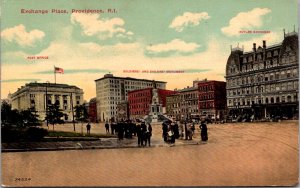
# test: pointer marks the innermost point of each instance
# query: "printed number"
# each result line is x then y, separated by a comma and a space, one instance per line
22, 179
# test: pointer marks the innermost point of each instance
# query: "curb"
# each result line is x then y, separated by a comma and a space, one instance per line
95, 147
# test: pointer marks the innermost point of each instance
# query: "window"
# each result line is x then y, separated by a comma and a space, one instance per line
282, 74
250, 58
288, 74
277, 75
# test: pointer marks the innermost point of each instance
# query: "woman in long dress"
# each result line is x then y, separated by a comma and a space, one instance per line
203, 129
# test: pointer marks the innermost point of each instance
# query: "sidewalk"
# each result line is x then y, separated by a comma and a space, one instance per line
103, 143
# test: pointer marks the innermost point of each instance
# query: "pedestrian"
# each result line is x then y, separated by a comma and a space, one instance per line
181, 130
148, 135
189, 132
112, 127
193, 128
107, 127
138, 133
203, 128
88, 128
143, 133
176, 130
121, 130
165, 130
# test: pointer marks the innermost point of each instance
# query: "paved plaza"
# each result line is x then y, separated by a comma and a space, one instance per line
240, 154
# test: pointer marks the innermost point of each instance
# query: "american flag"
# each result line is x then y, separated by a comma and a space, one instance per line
58, 70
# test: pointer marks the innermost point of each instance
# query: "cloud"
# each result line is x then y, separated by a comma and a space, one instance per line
176, 46
20, 80
93, 25
23, 38
75, 71
187, 19
245, 20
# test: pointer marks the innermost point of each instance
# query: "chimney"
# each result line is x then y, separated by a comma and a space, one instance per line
264, 44
254, 47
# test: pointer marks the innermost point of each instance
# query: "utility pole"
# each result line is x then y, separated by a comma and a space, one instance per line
46, 99
72, 112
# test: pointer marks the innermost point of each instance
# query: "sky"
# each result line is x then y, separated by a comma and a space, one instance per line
172, 40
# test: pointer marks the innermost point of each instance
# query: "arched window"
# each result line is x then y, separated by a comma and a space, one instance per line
272, 100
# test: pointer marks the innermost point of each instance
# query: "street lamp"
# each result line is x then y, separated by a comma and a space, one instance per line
46, 99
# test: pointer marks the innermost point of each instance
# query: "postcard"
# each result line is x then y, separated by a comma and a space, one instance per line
149, 93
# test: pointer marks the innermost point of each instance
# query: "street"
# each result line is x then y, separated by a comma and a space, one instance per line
241, 154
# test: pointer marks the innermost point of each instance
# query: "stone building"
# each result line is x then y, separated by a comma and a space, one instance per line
33, 95
264, 81
212, 99
189, 102
112, 90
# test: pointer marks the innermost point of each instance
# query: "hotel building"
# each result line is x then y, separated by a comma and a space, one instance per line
264, 82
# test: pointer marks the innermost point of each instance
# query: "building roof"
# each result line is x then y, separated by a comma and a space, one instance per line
44, 85
188, 89
127, 78
35, 84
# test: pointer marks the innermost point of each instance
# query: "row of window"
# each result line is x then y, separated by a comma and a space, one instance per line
141, 94
258, 78
135, 106
265, 88
183, 111
206, 88
259, 56
263, 64
264, 100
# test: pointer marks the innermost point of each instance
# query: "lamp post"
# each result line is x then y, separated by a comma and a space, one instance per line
72, 107
46, 99
186, 119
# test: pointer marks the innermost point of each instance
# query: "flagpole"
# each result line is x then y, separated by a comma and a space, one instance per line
54, 75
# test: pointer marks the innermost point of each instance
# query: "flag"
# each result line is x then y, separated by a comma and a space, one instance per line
58, 70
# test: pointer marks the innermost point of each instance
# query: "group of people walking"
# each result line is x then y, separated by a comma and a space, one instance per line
172, 131
129, 128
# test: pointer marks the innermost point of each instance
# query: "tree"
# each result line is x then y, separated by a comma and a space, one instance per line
81, 114
29, 117
10, 117
54, 114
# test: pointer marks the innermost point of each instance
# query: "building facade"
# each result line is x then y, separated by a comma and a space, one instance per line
111, 90
141, 101
173, 106
189, 102
264, 81
122, 111
40, 95
212, 99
